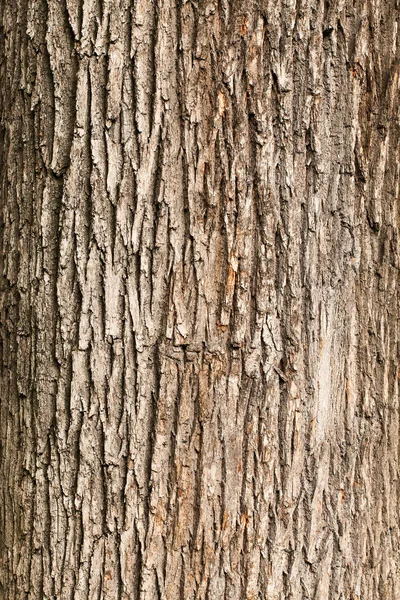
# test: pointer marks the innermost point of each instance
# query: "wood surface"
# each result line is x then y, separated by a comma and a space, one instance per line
199, 361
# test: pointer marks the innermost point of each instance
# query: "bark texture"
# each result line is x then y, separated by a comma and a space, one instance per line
199, 300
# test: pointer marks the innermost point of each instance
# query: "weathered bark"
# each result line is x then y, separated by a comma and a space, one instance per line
199, 309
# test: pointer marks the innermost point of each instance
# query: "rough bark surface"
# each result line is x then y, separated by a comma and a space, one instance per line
199, 300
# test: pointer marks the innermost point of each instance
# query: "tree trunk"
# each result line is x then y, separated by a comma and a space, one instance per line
199, 312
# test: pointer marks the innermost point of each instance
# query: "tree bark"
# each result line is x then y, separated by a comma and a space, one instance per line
199, 300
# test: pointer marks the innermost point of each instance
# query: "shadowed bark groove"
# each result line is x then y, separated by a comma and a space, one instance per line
199, 300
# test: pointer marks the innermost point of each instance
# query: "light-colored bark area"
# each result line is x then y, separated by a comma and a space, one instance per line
199, 300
